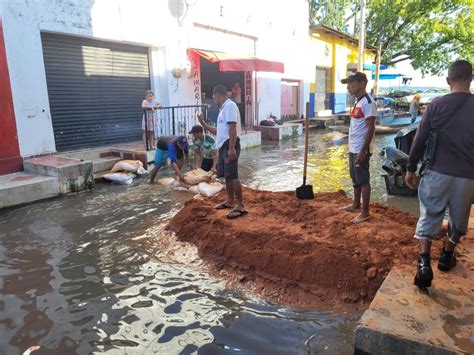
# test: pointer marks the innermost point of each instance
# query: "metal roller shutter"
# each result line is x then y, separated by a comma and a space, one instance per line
95, 90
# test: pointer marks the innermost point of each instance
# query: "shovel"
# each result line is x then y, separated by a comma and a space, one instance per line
305, 192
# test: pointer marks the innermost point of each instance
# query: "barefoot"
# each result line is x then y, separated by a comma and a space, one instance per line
361, 218
350, 208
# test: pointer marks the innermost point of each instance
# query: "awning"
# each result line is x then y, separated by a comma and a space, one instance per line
387, 76
228, 62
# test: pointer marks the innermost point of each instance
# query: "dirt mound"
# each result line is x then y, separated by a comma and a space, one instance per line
301, 252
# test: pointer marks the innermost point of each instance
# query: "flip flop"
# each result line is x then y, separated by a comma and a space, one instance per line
349, 209
222, 206
236, 214
360, 219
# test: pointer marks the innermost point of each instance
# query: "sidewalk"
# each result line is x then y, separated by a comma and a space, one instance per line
403, 319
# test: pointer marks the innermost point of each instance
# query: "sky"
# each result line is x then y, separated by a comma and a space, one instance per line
418, 80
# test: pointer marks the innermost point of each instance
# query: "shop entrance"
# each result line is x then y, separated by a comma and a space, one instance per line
212, 76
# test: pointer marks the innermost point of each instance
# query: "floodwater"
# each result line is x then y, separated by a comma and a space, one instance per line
87, 273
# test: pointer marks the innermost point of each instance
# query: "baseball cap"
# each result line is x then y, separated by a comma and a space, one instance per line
357, 76
183, 141
196, 129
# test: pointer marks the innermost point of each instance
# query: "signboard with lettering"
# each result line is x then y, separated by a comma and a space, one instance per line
248, 98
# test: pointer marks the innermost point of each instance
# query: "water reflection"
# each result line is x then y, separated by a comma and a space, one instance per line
94, 272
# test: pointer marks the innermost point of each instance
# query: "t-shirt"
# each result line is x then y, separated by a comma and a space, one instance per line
363, 109
454, 154
148, 104
169, 143
228, 114
414, 105
207, 146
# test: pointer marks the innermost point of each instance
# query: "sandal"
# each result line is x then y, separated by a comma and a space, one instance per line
236, 214
222, 206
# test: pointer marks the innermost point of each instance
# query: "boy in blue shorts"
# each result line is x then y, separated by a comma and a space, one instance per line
176, 148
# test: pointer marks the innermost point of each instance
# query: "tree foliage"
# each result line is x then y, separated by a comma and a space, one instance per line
428, 33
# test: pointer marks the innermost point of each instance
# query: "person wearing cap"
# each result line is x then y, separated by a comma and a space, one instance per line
228, 143
205, 149
174, 148
414, 107
361, 134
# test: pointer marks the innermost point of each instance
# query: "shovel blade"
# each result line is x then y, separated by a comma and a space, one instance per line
305, 192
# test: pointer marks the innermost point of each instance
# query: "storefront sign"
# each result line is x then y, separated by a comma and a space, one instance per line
196, 77
248, 98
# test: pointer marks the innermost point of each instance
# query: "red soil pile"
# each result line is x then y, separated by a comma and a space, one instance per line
301, 252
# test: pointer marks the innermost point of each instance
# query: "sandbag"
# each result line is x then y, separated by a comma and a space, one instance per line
133, 166
196, 176
194, 189
168, 181
120, 178
211, 189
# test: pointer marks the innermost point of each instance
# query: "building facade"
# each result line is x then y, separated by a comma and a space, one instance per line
77, 69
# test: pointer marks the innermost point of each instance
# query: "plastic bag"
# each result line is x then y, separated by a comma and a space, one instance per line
194, 189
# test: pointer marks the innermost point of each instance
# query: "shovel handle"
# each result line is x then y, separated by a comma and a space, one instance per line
306, 135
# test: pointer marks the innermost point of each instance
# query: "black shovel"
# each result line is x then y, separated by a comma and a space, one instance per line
305, 192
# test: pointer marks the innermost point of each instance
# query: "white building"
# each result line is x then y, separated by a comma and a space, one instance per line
78, 69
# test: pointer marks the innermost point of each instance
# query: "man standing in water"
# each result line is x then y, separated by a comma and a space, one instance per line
449, 180
361, 134
228, 143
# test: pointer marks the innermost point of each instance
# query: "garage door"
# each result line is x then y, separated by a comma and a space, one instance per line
95, 90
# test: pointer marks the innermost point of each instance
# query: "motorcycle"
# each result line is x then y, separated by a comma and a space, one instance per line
396, 161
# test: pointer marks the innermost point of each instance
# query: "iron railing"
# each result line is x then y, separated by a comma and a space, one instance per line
172, 120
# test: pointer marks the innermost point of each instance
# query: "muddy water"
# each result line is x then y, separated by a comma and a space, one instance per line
87, 273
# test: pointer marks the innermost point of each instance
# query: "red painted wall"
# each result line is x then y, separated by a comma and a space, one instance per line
10, 159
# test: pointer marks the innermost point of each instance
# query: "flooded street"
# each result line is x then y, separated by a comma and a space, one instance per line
85, 273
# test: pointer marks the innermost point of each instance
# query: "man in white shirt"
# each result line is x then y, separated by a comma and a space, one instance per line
228, 142
361, 136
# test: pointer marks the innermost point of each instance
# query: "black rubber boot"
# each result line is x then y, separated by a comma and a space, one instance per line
447, 260
424, 275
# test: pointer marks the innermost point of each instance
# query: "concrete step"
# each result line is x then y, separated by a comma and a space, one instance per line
73, 175
403, 319
19, 188
86, 154
103, 164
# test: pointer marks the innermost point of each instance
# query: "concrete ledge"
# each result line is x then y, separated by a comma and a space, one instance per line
403, 319
73, 175
250, 139
278, 133
20, 188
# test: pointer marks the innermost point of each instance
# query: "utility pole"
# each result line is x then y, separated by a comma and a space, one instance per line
377, 69
360, 62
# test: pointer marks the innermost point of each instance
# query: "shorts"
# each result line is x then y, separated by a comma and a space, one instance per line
160, 157
360, 175
436, 192
226, 168
206, 164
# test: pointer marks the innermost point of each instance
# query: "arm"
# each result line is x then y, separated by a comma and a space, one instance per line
206, 126
214, 160
174, 159
419, 143
146, 104
232, 140
198, 157
370, 122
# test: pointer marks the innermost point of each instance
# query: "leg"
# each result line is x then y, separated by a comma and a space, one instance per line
357, 188
144, 139
433, 194
363, 177
229, 202
237, 187
160, 157
152, 140
153, 173
459, 210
